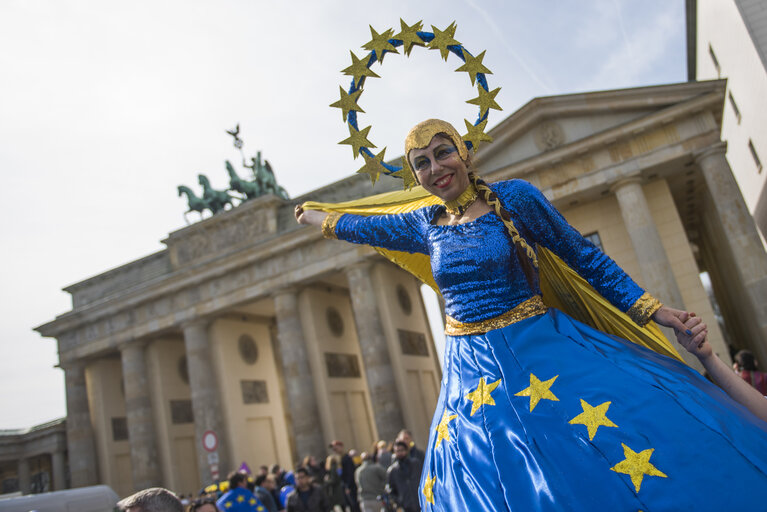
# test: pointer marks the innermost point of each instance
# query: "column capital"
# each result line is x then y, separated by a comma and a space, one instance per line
624, 182
138, 344
197, 322
718, 148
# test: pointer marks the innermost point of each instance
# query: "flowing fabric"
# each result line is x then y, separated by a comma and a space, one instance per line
549, 413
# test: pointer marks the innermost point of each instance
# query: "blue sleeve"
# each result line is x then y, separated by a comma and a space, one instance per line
398, 232
542, 224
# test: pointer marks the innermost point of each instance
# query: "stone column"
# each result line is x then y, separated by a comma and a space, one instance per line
138, 410
299, 386
59, 472
206, 398
25, 480
80, 439
382, 387
743, 248
656, 270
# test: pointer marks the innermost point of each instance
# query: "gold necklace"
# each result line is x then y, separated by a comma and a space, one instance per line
459, 205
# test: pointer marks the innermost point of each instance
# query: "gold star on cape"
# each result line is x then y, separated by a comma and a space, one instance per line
359, 69
476, 134
593, 417
481, 395
228, 504
485, 100
348, 102
373, 166
443, 39
442, 431
406, 176
409, 37
637, 465
428, 488
240, 498
379, 43
358, 139
538, 391
473, 65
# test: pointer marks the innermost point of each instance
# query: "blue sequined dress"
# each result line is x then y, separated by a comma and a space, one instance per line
547, 413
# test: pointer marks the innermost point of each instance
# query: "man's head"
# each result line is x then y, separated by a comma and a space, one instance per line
269, 483
337, 447
275, 469
401, 450
155, 499
237, 479
303, 480
406, 437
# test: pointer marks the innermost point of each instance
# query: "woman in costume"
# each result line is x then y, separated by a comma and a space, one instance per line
538, 411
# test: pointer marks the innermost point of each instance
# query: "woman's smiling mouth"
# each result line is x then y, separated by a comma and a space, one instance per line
444, 181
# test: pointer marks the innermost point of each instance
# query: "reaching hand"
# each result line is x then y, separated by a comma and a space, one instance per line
670, 317
309, 217
696, 342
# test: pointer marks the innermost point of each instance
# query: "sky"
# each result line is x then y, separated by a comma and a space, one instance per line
106, 107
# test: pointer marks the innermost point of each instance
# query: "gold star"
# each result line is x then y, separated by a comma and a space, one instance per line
476, 134
373, 166
409, 37
442, 431
240, 498
252, 501
485, 100
359, 69
348, 102
637, 465
473, 65
443, 39
259, 508
379, 43
593, 417
228, 504
481, 395
538, 390
406, 176
358, 139
428, 488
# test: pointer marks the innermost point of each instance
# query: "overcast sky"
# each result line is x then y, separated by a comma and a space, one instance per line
105, 107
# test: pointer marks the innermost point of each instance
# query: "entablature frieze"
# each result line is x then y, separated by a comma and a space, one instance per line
209, 291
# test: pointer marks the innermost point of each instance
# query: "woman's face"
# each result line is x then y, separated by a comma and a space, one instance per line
439, 168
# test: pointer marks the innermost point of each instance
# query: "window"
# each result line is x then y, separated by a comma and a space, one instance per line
715, 60
594, 239
755, 156
734, 105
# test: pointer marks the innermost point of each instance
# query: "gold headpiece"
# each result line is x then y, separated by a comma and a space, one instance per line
421, 134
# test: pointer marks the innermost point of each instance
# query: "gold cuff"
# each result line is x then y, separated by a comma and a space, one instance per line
531, 307
643, 309
329, 225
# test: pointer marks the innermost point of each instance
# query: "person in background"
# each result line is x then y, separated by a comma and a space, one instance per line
384, 454
371, 483
279, 475
415, 452
315, 469
263, 494
204, 504
746, 366
307, 496
739, 390
154, 499
347, 474
333, 486
403, 477
238, 498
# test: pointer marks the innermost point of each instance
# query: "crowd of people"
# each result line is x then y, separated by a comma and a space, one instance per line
382, 479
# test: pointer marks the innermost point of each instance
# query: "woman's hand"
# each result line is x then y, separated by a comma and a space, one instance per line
309, 217
670, 317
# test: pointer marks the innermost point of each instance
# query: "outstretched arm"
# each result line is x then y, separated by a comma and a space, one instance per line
696, 343
309, 217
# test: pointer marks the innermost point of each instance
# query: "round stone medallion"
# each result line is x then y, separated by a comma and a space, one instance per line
248, 349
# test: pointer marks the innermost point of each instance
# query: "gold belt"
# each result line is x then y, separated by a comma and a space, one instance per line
531, 307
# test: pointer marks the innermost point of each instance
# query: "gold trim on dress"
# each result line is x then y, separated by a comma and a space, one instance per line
643, 309
329, 225
531, 307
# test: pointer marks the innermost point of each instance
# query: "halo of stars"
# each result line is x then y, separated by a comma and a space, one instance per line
409, 37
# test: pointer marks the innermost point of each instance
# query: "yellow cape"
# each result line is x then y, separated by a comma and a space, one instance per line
561, 286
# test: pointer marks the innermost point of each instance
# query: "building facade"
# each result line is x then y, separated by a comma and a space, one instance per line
277, 341
33, 460
728, 39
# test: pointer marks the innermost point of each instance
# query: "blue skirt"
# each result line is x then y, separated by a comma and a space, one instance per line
550, 414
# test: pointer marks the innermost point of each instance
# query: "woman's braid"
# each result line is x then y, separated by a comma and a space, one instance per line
526, 255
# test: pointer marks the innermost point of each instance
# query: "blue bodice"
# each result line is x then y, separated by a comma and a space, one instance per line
474, 264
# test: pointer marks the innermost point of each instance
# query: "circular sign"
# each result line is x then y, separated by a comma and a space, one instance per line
210, 441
